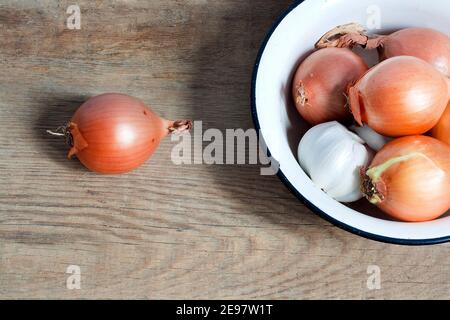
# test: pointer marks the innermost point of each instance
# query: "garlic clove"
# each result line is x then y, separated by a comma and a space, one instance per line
373, 139
351, 169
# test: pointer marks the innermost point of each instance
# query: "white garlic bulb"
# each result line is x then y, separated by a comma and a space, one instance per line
332, 156
373, 139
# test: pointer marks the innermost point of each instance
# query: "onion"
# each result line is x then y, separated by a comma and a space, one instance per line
400, 96
320, 82
115, 133
442, 130
424, 43
409, 179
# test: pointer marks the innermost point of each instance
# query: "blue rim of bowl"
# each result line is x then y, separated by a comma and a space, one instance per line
287, 183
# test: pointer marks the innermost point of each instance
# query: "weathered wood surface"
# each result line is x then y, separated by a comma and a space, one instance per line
163, 231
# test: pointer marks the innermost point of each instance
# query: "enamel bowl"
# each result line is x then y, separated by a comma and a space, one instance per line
289, 41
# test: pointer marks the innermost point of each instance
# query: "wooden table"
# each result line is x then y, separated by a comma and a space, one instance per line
163, 231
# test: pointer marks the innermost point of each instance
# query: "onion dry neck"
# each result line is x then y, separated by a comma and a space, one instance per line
62, 131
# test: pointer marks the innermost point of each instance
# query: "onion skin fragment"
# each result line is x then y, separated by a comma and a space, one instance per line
344, 36
78, 142
409, 179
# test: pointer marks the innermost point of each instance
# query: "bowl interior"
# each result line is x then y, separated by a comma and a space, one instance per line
281, 126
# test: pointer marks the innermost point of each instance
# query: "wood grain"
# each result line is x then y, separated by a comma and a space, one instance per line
163, 231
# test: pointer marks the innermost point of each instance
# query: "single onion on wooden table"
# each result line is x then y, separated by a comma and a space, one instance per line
115, 133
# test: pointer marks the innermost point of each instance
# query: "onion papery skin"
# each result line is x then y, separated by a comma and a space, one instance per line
442, 130
115, 133
409, 179
400, 96
320, 84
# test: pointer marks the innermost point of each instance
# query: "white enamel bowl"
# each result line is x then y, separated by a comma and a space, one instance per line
288, 42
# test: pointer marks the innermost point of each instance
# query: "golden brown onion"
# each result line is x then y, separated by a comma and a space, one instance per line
320, 83
409, 179
400, 96
115, 133
442, 130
